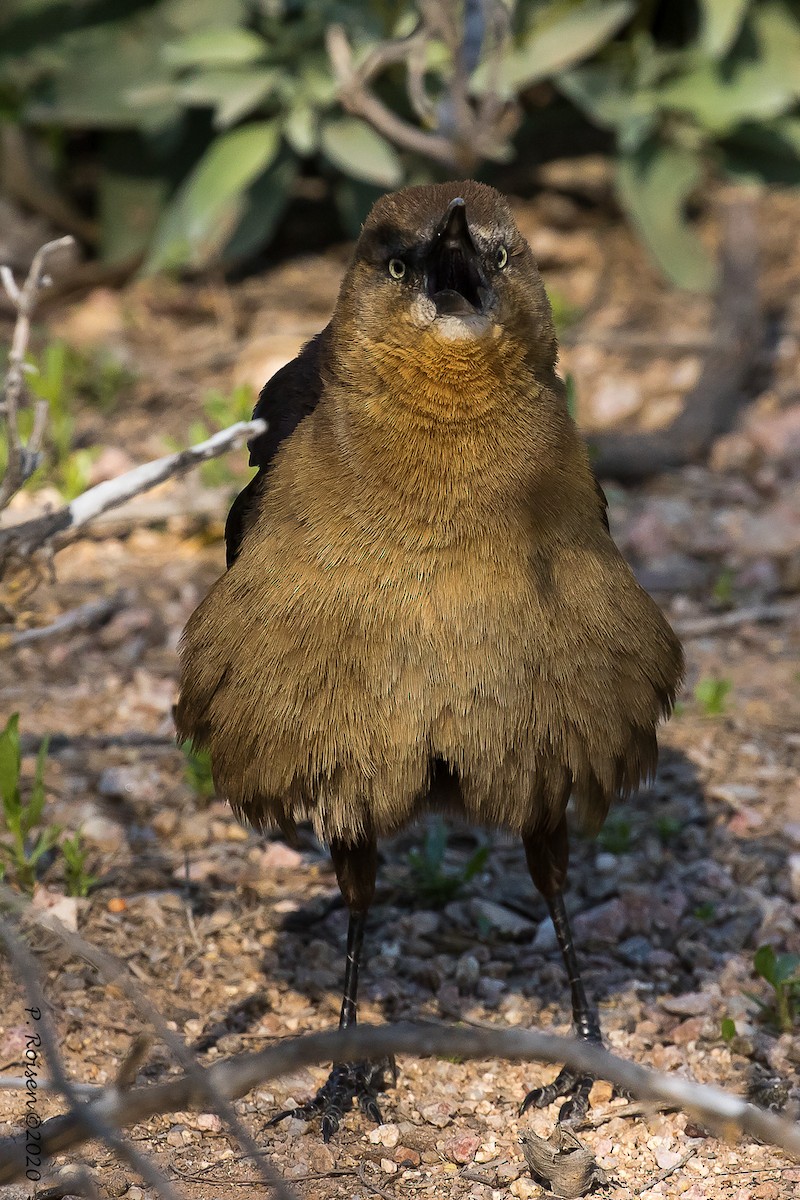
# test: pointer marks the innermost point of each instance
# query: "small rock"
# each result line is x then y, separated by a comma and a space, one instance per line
691, 1004
438, 1114
636, 951
501, 918
175, 1136
462, 1149
385, 1135
690, 1030
794, 875
134, 1193
600, 1094
208, 1122
320, 1157
545, 939
605, 923
490, 990
51, 907
467, 972
667, 1159
275, 856
423, 924
525, 1189
388, 1166
404, 1156
102, 832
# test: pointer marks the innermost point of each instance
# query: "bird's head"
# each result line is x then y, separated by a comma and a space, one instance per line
442, 271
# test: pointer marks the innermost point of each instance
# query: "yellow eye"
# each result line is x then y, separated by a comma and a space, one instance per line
397, 268
501, 258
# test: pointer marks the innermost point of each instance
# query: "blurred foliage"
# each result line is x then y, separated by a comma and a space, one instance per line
712, 694
429, 877
58, 375
221, 409
197, 771
180, 126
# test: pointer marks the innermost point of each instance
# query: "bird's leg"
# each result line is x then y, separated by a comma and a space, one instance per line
355, 867
548, 856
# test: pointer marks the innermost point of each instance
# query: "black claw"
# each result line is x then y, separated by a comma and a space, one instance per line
345, 1084
567, 1083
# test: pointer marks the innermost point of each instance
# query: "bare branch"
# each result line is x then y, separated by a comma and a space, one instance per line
462, 129
692, 627
238, 1075
86, 616
25, 537
22, 460
358, 100
91, 1115
202, 1082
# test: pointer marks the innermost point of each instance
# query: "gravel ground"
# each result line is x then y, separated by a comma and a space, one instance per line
239, 939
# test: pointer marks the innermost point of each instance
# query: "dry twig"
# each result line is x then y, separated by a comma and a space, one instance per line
462, 130
86, 616
22, 539
203, 1084
692, 627
711, 407
23, 459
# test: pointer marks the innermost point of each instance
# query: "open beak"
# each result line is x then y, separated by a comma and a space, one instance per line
454, 278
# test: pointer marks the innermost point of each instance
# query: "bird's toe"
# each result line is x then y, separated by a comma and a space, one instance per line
347, 1084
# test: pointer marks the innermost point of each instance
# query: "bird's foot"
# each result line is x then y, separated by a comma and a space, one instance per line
574, 1086
346, 1084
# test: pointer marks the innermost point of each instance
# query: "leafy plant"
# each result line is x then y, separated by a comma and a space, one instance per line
221, 410
723, 588
616, 835
77, 878
705, 912
197, 771
782, 973
668, 828
432, 882
26, 840
712, 695
200, 117
62, 375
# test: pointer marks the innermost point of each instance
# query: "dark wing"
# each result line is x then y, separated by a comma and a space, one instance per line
291, 394
602, 502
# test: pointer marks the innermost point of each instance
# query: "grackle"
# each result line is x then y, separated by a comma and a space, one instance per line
423, 607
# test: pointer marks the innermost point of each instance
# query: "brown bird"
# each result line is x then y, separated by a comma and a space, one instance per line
423, 606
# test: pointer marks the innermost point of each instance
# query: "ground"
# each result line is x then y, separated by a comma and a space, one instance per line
238, 938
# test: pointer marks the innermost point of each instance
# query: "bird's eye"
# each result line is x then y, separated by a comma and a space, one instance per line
501, 257
397, 268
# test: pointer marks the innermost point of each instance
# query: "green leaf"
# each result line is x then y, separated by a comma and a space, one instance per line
204, 213
559, 37
727, 1029
35, 806
355, 148
264, 205
215, 48
10, 761
654, 185
721, 21
765, 152
786, 968
233, 94
301, 129
764, 964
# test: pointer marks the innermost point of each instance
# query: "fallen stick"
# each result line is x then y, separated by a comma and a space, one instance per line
25, 537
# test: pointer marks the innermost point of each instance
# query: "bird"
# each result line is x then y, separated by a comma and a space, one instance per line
423, 607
